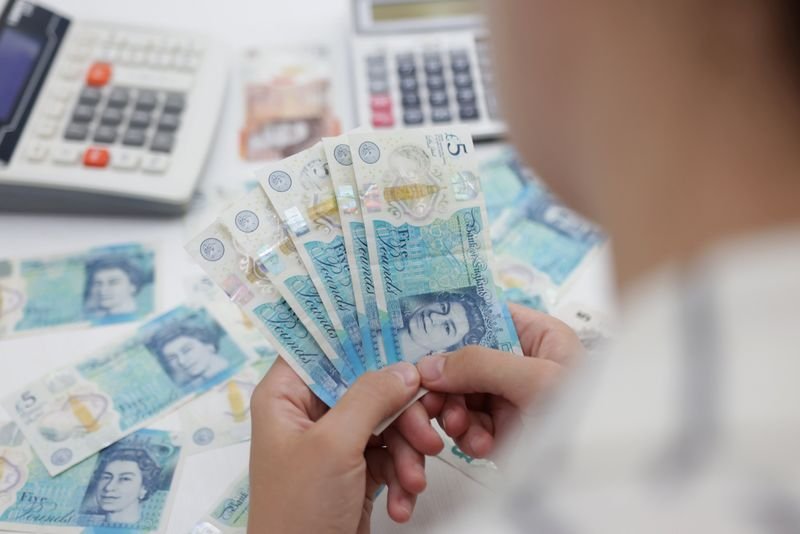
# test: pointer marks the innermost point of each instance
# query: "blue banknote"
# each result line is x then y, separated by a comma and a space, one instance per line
503, 179
214, 250
229, 515
71, 413
126, 487
430, 248
102, 285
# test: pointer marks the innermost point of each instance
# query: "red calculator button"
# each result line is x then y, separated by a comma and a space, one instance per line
96, 157
382, 119
381, 103
99, 74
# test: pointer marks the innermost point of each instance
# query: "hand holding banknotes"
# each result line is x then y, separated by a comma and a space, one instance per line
318, 471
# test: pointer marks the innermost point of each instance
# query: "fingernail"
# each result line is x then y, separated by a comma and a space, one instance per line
406, 372
430, 367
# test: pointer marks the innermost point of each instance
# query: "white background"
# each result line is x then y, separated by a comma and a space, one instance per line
236, 24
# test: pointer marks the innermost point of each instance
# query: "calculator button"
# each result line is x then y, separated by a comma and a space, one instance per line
83, 113
111, 117
436, 82
175, 102
134, 137
433, 67
90, 96
155, 163
168, 122
147, 100
118, 98
462, 80
382, 119
99, 74
162, 142
60, 93
441, 115
413, 116
438, 98
468, 113
95, 157
37, 152
70, 71
376, 60
381, 103
140, 119
459, 61
66, 155
377, 72
410, 100
408, 85
105, 134
378, 87
54, 109
465, 96
125, 160
406, 68
46, 129
76, 131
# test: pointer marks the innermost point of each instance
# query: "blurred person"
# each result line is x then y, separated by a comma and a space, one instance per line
676, 126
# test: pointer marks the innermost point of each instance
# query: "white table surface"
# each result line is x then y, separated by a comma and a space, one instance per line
237, 24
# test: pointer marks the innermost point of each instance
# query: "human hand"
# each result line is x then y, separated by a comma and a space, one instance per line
318, 470
478, 394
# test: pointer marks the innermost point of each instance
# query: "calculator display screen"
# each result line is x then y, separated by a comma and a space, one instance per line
18, 54
395, 11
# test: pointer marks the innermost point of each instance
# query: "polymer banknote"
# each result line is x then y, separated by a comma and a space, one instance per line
125, 488
229, 514
429, 243
594, 328
480, 470
301, 192
503, 179
72, 413
102, 285
258, 234
214, 250
221, 417
340, 166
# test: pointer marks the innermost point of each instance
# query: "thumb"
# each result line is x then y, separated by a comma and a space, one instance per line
371, 399
474, 369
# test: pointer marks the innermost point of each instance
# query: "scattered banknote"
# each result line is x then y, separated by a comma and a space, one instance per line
288, 101
72, 413
258, 234
98, 286
480, 470
595, 329
214, 250
126, 487
503, 179
429, 243
229, 515
301, 191
221, 417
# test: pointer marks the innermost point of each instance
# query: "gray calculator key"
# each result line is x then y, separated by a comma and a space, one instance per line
162, 142
105, 134
438, 98
433, 64
459, 61
140, 119
413, 116
406, 68
468, 113
90, 96
134, 137
462, 80
378, 87
111, 117
435, 82
441, 114
168, 122
410, 100
146, 100
377, 73
465, 96
376, 61
83, 113
76, 131
408, 85
118, 98
175, 102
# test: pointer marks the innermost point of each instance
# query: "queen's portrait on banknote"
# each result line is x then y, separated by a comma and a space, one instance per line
188, 353
112, 286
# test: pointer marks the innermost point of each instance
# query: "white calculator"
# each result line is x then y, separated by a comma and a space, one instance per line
424, 62
96, 117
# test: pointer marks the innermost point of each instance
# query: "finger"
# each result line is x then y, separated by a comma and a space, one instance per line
478, 440
475, 369
543, 336
371, 399
380, 469
433, 402
415, 426
409, 464
454, 418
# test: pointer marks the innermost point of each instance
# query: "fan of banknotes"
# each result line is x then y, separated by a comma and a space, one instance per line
361, 251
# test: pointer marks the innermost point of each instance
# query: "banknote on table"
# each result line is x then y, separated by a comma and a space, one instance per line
229, 515
214, 250
72, 413
258, 233
430, 249
594, 328
102, 285
503, 179
301, 192
126, 487
480, 470
221, 417
340, 166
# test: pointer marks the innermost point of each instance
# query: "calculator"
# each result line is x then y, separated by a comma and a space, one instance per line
98, 117
422, 63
